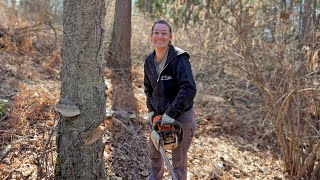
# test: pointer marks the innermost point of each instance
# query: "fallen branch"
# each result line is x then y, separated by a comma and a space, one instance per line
123, 114
5, 152
11, 146
233, 165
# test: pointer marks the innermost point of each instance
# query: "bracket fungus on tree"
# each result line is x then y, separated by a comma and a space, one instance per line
67, 107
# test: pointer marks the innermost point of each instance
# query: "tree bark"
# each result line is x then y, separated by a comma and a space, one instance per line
148, 6
283, 6
82, 82
306, 21
119, 50
314, 14
119, 58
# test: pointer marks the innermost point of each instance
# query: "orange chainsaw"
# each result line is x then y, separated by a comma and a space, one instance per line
170, 134
166, 137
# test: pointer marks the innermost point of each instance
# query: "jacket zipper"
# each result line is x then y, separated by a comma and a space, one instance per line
161, 72
158, 86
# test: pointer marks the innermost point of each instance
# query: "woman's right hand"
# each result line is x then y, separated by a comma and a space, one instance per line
150, 116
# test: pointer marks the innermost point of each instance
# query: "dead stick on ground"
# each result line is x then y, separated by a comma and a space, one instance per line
235, 166
5, 152
9, 147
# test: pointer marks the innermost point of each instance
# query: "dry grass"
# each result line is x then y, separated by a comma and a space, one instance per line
27, 140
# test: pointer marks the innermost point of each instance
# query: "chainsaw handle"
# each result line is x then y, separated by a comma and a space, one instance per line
156, 124
150, 125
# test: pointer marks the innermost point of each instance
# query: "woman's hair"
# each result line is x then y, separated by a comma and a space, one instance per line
162, 22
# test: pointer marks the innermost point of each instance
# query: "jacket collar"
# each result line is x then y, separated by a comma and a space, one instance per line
173, 52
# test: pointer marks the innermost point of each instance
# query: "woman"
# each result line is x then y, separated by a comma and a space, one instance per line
170, 89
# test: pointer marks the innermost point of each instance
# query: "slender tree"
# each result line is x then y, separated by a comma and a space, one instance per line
119, 58
82, 102
314, 14
306, 21
148, 6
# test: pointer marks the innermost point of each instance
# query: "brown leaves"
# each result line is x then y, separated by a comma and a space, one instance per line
126, 154
227, 157
27, 134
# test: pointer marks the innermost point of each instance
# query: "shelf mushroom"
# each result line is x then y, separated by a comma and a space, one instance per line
67, 107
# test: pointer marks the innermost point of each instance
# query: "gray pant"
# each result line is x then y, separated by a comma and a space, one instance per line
179, 155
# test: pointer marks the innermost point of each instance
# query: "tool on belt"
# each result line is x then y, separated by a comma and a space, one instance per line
166, 137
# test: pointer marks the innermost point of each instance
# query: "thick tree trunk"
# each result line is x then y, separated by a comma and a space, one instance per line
82, 85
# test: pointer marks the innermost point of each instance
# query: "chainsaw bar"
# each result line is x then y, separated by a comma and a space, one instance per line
156, 140
167, 162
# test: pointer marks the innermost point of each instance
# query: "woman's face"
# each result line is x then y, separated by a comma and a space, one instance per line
160, 36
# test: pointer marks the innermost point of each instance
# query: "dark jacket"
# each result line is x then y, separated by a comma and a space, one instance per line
173, 92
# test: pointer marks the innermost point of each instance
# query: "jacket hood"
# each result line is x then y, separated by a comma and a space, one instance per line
173, 53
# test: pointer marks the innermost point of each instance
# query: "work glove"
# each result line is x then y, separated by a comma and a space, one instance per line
166, 119
148, 118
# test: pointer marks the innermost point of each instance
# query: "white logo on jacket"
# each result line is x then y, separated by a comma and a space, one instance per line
165, 77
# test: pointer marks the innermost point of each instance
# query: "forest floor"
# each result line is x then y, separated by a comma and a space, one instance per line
217, 149
29, 89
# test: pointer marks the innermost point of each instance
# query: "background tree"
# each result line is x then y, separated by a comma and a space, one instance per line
119, 58
148, 6
314, 14
145, 6
306, 27
82, 102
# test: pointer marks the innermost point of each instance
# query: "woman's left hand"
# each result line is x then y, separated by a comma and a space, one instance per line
166, 119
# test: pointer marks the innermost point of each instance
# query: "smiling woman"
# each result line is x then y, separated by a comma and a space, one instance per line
170, 89
160, 37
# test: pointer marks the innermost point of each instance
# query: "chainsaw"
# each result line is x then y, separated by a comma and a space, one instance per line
166, 137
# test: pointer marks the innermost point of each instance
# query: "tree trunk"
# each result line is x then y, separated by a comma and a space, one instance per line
14, 5
291, 6
119, 49
314, 14
83, 88
306, 21
187, 15
119, 58
284, 6
148, 6
13, 12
